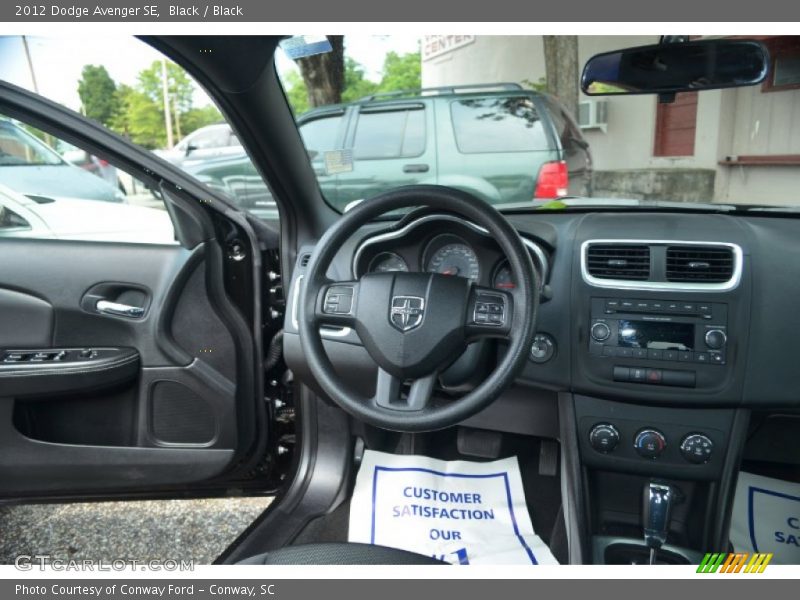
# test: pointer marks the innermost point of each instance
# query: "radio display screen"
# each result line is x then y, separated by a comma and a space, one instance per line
655, 335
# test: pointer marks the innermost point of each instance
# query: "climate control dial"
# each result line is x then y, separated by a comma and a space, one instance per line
697, 448
649, 443
604, 437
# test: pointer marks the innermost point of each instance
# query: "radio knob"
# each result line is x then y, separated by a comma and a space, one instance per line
716, 339
600, 332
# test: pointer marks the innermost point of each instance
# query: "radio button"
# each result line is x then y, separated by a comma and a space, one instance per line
715, 339
642, 305
609, 351
670, 355
655, 354
600, 332
673, 307
626, 303
684, 356
657, 306
640, 352
622, 374
625, 352
701, 357
612, 305
688, 307
716, 358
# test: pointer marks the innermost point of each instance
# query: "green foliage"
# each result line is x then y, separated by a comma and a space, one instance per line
137, 112
400, 72
296, 93
97, 92
195, 118
139, 118
537, 86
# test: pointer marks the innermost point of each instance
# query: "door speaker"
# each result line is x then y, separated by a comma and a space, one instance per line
180, 416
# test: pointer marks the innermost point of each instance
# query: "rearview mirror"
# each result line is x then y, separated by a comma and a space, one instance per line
677, 67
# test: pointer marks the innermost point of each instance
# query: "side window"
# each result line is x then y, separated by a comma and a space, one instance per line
82, 198
319, 136
215, 138
390, 134
497, 124
9, 220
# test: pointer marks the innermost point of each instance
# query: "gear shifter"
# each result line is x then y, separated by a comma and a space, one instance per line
656, 515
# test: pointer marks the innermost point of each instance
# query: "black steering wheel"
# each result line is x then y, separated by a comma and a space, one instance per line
413, 325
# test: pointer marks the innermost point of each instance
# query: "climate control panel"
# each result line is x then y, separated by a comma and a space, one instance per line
650, 443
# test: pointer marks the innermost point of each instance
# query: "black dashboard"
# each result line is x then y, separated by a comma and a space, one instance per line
654, 335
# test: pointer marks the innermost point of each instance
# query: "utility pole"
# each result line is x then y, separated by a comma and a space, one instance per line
30, 64
167, 113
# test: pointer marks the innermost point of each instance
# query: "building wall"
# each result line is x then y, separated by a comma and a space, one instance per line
742, 121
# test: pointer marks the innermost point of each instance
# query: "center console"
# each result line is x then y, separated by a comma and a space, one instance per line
659, 343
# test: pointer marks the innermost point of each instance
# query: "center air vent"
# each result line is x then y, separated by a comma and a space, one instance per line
618, 261
700, 264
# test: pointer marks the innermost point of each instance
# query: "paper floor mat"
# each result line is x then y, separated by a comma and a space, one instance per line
458, 511
766, 518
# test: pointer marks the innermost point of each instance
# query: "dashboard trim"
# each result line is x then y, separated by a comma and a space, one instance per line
663, 286
541, 257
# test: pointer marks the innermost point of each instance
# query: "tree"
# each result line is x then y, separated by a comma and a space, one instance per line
139, 118
401, 72
195, 118
324, 75
180, 89
561, 69
97, 92
356, 84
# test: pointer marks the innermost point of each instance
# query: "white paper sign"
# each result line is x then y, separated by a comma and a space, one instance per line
766, 518
457, 511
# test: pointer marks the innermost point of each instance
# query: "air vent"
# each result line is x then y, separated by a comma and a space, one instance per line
618, 261
304, 260
699, 264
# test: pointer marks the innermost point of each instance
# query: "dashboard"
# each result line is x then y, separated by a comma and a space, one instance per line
698, 338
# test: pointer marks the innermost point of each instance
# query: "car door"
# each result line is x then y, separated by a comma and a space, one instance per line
392, 145
129, 368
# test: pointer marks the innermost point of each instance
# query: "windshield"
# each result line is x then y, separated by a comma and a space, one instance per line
19, 148
503, 118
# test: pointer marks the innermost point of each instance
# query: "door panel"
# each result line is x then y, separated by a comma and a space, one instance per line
172, 423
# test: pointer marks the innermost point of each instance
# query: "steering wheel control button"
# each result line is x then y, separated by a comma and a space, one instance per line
600, 332
697, 448
543, 348
489, 310
604, 437
716, 339
338, 300
649, 443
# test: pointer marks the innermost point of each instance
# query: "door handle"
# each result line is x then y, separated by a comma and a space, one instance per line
417, 168
120, 310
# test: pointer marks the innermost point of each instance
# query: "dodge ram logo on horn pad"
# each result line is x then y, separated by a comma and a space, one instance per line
406, 312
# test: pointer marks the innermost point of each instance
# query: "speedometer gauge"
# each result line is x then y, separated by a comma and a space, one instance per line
455, 259
386, 262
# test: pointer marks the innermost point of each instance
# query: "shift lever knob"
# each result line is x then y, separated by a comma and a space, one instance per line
656, 513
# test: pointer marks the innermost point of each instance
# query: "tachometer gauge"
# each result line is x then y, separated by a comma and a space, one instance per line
503, 278
455, 259
386, 262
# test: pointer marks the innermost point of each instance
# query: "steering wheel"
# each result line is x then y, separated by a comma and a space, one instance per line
413, 325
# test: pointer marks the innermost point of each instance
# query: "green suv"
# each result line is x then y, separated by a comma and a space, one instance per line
499, 142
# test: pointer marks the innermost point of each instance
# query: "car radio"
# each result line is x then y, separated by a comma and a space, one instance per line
665, 330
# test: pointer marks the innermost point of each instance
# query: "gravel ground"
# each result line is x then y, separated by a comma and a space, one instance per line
141, 530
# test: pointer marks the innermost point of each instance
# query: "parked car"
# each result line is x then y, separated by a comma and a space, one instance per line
74, 218
500, 142
206, 143
31, 167
89, 162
